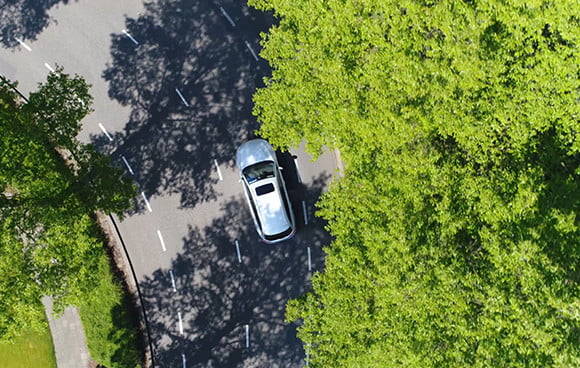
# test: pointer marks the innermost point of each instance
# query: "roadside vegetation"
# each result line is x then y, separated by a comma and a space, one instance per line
50, 187
457, 240
109, 317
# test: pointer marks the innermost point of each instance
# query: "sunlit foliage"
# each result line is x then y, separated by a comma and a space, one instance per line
456, 223
49, 245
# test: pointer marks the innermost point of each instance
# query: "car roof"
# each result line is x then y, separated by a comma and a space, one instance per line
254, 151
270, 207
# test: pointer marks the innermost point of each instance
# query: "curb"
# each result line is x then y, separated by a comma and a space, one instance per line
338, 162
125, 266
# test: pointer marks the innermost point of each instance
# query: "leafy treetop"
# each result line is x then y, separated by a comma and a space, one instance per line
49, 244
457, 240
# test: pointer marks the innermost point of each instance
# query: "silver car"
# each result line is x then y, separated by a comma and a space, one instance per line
265, 191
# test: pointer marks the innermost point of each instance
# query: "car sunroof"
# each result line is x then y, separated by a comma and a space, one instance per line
264, 189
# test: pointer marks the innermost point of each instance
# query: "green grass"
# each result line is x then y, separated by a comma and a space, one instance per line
110, 324
32, 349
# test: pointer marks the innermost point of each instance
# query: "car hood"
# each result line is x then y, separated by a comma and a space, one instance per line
254, 151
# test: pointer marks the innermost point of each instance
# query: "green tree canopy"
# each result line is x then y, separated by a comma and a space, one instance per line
49, 245
456, 223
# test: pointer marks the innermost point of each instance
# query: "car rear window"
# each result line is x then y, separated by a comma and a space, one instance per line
281, 235
265, 189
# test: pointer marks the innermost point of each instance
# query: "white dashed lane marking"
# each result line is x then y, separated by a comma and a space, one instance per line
161, 241
218, 170
172, 280
297, 170
182, 98
127, 164
146, 202
238, 252
130, 37
180, 323
251, 50
23, 44
47, 65
227, 16
105, 131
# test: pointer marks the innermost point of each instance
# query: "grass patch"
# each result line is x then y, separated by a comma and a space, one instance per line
31, 349
110, 322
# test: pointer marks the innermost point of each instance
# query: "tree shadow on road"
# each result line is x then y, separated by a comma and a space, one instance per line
24, 19
189, 79
217, 296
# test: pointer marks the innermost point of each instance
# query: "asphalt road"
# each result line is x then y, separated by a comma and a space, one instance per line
173, 82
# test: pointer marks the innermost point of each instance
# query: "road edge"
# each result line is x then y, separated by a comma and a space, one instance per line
120, 256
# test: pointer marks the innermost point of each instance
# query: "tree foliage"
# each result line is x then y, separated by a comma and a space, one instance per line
456, 223
48, 242
58, 106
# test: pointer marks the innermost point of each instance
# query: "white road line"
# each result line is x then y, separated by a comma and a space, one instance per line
130, 37
161, 240
47, 65
184, 360
307, 355
180, 323
146, 202
309, 260
23, 44
127, 164
251, 50
225, 14
247, 336
218, 170
182, 98
172, 280
105, 131
297, 170
305, 213
238, 252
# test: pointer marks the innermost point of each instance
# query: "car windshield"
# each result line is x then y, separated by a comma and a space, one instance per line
261, 170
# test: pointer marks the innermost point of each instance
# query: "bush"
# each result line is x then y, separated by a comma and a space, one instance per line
110, 325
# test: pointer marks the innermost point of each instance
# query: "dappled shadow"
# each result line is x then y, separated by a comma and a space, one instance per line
24, 19
217, 296
125, 315
188, 78
549, 169
559, 201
